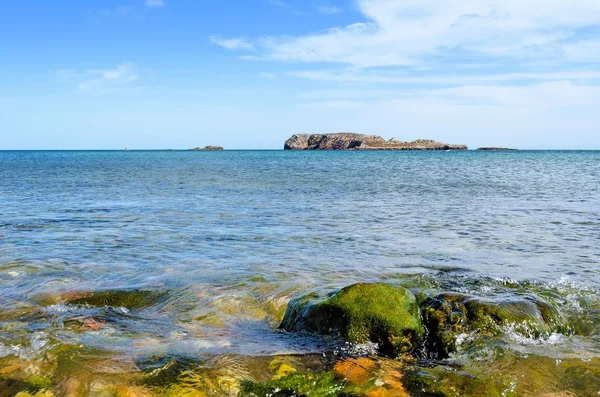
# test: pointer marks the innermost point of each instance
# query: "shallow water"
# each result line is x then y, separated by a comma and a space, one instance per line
142, 257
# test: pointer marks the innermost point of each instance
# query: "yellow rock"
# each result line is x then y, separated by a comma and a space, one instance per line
133, 391
178, 391
283, 371
10, 368
41, 393
281, 368
385, 392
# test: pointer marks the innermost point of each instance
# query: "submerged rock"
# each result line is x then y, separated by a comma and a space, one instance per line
310, 384
42, 393
131, 299
352, 141
379, 313
362, 376
448, 315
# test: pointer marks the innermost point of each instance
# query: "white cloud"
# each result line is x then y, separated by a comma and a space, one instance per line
155, 3
100, 80
232, 43
482, 72
411, 32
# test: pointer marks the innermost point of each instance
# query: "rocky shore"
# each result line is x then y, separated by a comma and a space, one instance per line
210, 148
385, 341
411, 326
352, 141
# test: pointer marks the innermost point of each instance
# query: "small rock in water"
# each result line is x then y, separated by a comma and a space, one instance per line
86, 324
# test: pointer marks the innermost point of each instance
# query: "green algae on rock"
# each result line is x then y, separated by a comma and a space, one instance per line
323, 384
359, 313
448, 315
134, 299
131, 299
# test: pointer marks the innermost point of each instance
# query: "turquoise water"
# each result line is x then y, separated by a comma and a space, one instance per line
222, 240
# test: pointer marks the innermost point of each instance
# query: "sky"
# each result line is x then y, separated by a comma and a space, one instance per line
247, 74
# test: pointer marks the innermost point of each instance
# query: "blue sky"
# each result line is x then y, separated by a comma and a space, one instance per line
155, 74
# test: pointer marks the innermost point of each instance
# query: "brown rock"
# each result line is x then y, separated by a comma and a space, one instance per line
209, 148
352, 141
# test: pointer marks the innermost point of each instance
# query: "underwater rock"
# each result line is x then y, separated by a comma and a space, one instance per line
131, 299
371, 377
448, 315
323, 384
359, 313
361, 376
133, 391
582, 379
281, 368
37, 373
42, 393
85, 324
356, 370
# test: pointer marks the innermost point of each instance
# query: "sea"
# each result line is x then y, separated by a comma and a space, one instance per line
121, 268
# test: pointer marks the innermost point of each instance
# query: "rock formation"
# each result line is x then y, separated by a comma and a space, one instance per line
352, 141
495, 148
380, 313
208, 148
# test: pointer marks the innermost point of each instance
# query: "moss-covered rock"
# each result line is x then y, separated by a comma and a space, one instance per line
448, 315
582, 379
130, 299
380, 313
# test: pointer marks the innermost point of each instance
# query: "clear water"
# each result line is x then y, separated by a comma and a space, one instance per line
224, 239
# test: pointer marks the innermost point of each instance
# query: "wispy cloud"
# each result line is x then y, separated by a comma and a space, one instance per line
100, 81
269, 76
418, 32
403, 77
554, 94
278, 3
327, 9
232, 43
483, 69
532, 116
154, 3
117, 11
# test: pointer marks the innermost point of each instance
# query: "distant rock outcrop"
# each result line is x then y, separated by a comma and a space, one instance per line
208, 148
495, 148
352, 141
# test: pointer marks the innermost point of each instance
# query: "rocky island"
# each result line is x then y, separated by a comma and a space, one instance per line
495, 148
352, 141
212, 148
